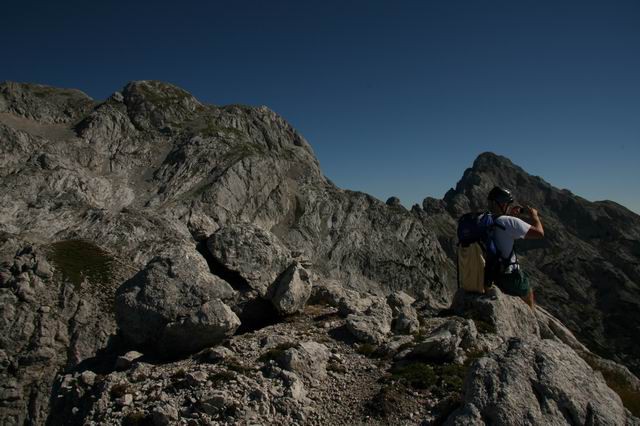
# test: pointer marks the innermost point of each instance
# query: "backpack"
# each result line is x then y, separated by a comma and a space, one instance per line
479, 262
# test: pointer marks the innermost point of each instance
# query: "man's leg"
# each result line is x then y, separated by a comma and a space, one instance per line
529, 300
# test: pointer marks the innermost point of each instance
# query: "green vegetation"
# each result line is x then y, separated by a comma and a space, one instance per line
78, 260
336, 367
416, 374
368, 350
241, 151
211, 129
443, 378
234, 365
222, 376
163, 96
276, 353
137, 418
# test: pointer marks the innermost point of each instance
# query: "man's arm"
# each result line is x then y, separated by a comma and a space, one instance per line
536, 231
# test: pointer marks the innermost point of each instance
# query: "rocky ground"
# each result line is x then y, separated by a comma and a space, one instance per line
163, 261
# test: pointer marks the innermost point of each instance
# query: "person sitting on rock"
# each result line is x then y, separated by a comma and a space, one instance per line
512, 280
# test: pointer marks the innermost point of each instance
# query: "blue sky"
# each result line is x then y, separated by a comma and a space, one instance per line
397, 98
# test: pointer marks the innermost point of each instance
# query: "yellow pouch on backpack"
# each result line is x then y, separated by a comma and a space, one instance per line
471, 268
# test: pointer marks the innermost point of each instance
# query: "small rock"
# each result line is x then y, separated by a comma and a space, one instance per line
123, 362
197, 378
164, 415
215, 354
88, 378
117, 96
126, 400
43, 269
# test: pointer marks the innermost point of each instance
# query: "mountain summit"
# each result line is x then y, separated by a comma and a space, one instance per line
164, 261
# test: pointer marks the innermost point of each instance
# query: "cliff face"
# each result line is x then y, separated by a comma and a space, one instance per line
156, 223
586, 270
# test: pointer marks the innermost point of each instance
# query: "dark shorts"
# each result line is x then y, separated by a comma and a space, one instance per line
515, 283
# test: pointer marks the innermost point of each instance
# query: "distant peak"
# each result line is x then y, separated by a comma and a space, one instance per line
155, 91
490, 160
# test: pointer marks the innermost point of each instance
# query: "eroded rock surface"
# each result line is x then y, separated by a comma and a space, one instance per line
538, 382
212, 216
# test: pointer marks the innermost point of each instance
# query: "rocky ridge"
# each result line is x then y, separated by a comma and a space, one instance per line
172, 262
586, 271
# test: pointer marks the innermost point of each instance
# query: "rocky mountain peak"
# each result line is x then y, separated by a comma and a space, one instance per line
158, 105
42, 103
488, 161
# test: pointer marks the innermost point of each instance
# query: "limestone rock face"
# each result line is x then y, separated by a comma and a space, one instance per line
539, 382
47, 324
174, 306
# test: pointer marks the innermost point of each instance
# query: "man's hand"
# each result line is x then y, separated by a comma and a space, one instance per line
536, 231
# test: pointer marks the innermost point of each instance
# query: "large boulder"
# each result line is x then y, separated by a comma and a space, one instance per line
541, 382
253, 255
373, 325
506, 316
174, 305
292, 290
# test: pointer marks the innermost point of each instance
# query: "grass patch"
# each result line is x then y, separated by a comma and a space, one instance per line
442, 379
78, 260
368, 350
276, 353
211, 129
137, 418
162, 95
241, 151
235, 365
416, 374
336, 367
222, 376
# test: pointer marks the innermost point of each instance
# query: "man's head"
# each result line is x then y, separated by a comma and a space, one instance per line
499, 200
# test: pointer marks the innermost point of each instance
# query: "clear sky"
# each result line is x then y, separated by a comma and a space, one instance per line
396, 98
